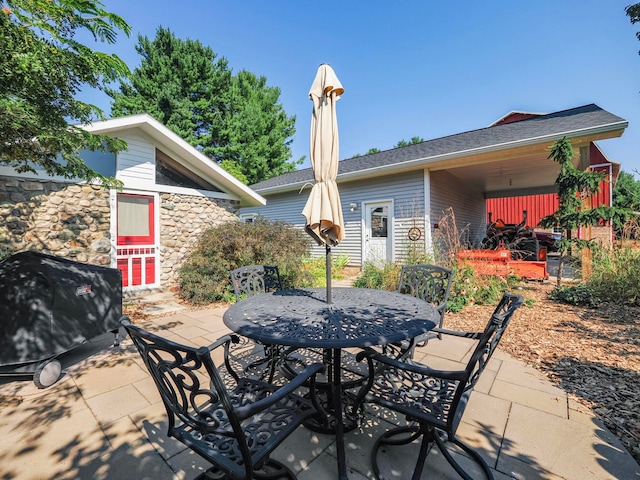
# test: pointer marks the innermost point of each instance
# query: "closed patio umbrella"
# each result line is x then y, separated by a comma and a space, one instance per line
323, 211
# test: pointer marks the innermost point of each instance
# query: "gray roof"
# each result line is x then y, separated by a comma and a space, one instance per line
532, 130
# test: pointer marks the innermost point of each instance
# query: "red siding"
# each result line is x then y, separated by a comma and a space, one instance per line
510, 209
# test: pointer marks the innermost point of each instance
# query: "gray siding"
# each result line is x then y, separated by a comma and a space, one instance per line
137, 164
406, 191
468, 205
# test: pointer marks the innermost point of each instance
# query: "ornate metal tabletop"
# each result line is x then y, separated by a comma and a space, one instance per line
357, 317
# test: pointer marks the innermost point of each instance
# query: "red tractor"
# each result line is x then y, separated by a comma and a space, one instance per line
518, 238
509, 248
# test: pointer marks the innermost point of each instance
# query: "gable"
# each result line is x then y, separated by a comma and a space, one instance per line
182, 163
170, 172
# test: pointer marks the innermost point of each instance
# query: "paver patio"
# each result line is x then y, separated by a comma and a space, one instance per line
104, 420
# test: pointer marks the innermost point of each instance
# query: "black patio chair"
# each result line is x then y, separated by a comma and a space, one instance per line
433, 401
432, 284
232, 422
252, 280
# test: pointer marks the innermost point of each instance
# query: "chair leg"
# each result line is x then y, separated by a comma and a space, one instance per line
406, 436
475, 456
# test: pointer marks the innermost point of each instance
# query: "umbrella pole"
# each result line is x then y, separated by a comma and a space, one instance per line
328, 269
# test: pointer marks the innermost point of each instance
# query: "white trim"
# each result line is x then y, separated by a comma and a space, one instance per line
168, 139
247, 216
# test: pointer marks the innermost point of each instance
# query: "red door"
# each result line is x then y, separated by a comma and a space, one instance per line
137, 249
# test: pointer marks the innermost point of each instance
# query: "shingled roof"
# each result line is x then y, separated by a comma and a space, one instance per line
588, 119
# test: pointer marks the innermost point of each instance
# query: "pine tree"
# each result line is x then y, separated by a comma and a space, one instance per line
235, 120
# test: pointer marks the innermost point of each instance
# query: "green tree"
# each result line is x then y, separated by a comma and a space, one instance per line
413, 141
626, 199
259, 133
182, 84
633, 12
574, 186
42, 67
626, 193
235, 120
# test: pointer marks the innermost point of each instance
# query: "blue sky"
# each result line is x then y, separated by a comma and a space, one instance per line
416, 68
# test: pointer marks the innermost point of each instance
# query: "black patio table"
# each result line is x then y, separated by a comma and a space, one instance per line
357, 317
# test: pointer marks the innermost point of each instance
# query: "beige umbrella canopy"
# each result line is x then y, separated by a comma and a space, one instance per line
323, 210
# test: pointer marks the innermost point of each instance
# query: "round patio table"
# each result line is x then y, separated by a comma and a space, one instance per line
357, 317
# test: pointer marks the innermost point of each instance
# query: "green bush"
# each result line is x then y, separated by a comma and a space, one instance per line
469, 288
581, 294
466, 287
615, 278
317, 268
381, 278
204, 276
616, 274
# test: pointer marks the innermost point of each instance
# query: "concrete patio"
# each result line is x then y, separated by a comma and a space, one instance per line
104, 420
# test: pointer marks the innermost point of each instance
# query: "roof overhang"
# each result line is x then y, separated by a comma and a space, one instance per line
503, 169
185, 153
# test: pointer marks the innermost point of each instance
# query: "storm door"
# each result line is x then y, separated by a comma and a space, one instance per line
137, 248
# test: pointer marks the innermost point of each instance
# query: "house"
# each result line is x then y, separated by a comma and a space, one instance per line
394, 200
510, 209
171, 193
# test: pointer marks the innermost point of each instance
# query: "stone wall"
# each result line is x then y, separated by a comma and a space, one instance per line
57, 218
182, 219
73, 221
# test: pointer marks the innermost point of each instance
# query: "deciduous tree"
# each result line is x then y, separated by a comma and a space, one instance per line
42, 67
633, 12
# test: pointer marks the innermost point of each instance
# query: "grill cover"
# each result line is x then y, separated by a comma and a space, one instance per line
49, 305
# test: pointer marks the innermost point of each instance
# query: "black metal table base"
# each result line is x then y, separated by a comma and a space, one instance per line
270, 470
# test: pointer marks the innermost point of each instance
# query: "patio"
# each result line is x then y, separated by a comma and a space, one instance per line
104, 420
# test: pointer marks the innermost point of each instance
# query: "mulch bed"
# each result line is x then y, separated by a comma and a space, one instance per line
592, 353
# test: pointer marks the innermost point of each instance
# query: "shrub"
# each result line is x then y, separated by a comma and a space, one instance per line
317, 268
204, 276
382, 278
469, 288
466, 287
581, 294
616, 274
615, 278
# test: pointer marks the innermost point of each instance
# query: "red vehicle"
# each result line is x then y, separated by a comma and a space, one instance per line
509, 249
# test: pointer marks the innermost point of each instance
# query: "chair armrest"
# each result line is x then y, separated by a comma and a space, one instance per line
246, 411
455, 333
222, 340
411, 367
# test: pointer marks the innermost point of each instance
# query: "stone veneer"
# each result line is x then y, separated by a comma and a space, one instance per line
73, 221
182, 219
62, 219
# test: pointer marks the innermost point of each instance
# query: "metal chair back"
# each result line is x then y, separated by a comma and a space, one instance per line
435, 399
254, 279
430, 283
232, 422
